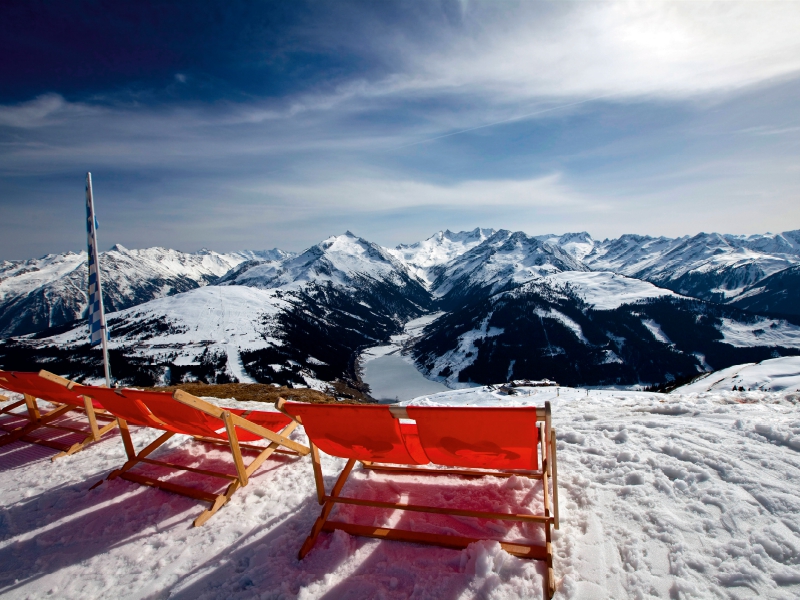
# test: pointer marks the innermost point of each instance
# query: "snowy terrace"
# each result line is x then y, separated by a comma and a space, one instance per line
670, 496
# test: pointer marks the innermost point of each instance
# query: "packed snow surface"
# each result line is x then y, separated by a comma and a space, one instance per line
664, 496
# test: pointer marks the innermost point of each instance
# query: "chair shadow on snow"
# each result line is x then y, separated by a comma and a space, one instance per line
78, 523
403, 569
80, 538
21, 453
268, 564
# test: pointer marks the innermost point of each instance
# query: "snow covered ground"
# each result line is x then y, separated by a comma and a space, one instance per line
671, 496
606, 291
774, 375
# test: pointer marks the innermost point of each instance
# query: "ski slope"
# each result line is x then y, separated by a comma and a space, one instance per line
606, 291
670, 496
775, 375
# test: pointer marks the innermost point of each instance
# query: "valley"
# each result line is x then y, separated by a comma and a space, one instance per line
455, 310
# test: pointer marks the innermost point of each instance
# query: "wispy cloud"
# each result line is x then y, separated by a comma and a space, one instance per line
41, 111
674, 49
387, 194
410, 118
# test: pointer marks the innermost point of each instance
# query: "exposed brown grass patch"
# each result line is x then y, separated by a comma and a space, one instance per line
257, 392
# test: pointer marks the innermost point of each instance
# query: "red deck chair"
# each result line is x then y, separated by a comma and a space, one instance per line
57, 391
182, 413
498, 442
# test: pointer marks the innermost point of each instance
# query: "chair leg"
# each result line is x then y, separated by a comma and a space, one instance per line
87, 406
548, 536
555, 475
89, 439
136, 458
33, 425
319, 482
127, 442
6, 410
242, 471
236, 452
326, 510
149, 449
33, 408
263, 455
220, 501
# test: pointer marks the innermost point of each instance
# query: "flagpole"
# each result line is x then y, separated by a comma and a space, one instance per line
96, 314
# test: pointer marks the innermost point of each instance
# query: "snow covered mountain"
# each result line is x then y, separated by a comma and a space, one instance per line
566, 307
299, 321
773, 375
344, 260
594, 329
50, 291
577, 245
779, 293
709, 266
520, 306
503, 260
426, 259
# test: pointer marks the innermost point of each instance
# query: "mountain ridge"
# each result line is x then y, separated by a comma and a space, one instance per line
51, 291
315, 311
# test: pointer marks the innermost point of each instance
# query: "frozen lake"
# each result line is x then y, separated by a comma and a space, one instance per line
392, 377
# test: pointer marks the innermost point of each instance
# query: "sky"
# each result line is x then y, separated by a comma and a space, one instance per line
250, 125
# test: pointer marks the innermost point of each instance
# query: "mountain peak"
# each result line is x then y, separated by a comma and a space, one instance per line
425, 257
338, 259
504, 258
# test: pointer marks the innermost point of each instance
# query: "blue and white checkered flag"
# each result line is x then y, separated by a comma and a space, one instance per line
96, 315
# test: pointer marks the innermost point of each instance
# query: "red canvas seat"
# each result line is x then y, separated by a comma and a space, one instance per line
161, 411
360, 432
57, 391
196, 422
125, 406
182, 413
502, 441
32, 384
485, 438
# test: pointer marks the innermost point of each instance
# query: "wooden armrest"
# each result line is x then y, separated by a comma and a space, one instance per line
279, 405
215, 411
269, 434
67, 383
195, 402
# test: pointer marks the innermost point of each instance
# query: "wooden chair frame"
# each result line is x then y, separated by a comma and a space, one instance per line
38, 420
243, 472
548, 472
